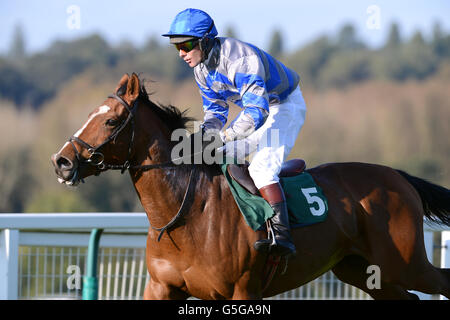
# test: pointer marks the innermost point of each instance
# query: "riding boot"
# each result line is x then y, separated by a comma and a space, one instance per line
282, 243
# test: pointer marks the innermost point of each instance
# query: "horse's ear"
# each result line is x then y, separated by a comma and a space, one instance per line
133, 87
120, 89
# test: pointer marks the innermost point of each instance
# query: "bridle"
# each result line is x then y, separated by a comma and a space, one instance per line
96, 159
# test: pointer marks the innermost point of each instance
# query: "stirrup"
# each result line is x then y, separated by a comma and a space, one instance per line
270, 245
264, 245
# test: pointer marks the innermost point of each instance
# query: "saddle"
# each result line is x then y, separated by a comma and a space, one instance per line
241, 175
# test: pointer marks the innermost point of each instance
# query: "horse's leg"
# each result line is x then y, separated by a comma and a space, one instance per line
248, 287
403, 259
433, 281
353, 270
391, 224
158, 291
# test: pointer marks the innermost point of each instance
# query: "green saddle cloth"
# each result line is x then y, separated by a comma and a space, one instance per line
305, 200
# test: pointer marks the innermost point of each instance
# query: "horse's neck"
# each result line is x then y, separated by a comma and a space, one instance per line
161, 190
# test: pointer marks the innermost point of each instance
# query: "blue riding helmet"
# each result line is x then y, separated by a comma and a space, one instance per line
192, 23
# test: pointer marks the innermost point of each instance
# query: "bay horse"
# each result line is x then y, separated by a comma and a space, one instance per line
375, 213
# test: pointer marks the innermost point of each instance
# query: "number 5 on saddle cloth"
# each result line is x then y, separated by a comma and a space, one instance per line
305, 200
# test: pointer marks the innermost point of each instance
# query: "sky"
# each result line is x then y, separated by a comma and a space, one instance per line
254, 21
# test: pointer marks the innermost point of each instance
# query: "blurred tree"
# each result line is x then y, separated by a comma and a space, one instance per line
230, 32
310, 60
16, 182
17, 51
389, 65
394, 39
176, 69
417, 39
110, 192
343, 69
420, 61
347, 39
48, 70
152, 44
13, 83
276, 44
41, 75
126, 48
58, 201
440, 42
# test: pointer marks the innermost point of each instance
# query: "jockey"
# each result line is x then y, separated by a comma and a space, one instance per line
227, 69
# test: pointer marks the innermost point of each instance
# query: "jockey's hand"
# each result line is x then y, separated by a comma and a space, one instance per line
228, 135
241, 128
203, 145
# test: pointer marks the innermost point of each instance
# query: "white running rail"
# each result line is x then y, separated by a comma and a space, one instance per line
42, 256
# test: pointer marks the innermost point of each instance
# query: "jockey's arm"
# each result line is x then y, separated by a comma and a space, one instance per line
248, 73
215, 109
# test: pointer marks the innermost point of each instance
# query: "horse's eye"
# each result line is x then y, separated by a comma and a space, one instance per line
112, 122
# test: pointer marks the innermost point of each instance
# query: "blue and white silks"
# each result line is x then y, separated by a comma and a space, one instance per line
241, 73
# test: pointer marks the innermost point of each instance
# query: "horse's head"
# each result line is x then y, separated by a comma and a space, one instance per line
105, 138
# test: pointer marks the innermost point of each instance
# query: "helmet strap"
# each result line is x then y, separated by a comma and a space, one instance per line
204, 43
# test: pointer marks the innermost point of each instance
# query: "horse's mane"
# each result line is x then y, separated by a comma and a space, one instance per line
170, 115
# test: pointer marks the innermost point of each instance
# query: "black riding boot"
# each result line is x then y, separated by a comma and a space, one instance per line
282, 243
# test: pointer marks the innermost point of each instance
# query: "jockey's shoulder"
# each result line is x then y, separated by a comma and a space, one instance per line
233, 49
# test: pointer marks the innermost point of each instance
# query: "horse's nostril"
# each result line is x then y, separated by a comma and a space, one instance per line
64, 163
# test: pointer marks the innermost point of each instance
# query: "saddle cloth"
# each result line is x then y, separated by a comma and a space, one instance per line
305, 200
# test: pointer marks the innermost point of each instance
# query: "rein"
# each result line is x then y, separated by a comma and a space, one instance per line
97, 158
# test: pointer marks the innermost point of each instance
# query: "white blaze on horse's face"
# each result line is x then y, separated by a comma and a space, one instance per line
101, 110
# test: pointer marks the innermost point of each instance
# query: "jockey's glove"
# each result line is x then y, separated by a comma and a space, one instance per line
203, 144
239, 129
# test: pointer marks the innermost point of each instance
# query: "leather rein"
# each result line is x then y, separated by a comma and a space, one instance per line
97, 158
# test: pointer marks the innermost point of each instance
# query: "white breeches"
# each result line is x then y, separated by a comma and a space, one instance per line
273, 141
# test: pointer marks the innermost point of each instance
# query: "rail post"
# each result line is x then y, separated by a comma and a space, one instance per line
9, 268
90, 281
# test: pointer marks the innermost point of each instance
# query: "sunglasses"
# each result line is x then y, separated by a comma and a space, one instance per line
186, 46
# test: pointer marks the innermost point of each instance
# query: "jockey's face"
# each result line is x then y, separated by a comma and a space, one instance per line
193, 57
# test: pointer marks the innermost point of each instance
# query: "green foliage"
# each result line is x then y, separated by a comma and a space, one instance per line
347, 39
276, 44
310, 61
394, 39
15, 86
344, 59
110, 192
16, 182
329, 61
17, 50
51, 201
346, 68
230, 32
401, 122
